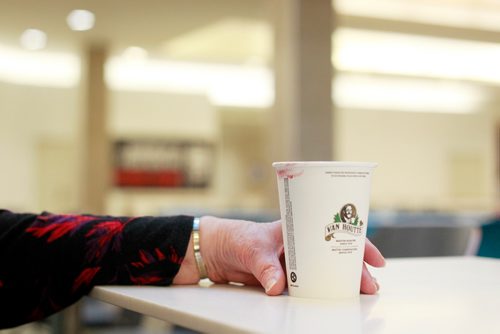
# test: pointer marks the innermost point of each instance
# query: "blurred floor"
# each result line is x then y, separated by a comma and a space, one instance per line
95, 317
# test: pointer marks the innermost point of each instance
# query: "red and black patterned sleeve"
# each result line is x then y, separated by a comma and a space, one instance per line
48, 262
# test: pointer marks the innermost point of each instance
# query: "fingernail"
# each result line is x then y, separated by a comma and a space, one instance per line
375, 283
270, 284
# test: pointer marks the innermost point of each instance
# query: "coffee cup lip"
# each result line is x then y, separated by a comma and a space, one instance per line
288, 164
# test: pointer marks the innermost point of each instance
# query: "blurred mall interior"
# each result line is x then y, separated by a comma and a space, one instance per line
161, 107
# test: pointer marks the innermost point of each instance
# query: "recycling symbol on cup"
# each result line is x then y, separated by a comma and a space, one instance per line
293, 277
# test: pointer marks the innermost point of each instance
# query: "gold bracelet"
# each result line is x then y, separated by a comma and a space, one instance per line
197, 255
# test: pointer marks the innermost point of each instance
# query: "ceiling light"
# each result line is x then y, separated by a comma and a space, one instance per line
403, 54
135, 53
253, 87
365, 92
81, 20
33, 39
225, 85
484, 15
46, 69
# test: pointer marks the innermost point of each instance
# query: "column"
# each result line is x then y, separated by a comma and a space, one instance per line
302, 120
97, 150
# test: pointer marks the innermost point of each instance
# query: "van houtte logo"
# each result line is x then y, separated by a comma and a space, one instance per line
345, 221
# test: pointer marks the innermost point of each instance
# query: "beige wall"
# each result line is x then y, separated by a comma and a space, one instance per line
40, 149
427, 161
34, 120
164, 115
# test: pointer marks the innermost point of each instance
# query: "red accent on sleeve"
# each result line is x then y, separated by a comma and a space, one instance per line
102, 237
159, 254
85, 277
56, 226
174, 257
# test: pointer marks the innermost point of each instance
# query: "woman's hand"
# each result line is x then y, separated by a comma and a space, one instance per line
252, 253
374, 258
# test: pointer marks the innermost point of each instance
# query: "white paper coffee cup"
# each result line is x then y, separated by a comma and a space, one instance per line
324, 212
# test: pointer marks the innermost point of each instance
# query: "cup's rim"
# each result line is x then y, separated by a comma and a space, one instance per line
284, 164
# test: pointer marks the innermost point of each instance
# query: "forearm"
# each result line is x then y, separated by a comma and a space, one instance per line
50, 261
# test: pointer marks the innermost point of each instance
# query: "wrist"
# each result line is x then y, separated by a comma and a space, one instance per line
202, 270
208, 246
214, 245
189, 272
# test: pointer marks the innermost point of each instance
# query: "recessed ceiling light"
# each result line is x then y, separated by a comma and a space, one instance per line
33, 39
81, 20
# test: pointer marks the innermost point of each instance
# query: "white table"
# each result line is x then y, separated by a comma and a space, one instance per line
419, 295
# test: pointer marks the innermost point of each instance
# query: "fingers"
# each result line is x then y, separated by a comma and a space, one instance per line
272, 279
267, 266
369, 284
372, 255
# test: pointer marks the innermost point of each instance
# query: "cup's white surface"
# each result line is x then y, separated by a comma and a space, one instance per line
324, 211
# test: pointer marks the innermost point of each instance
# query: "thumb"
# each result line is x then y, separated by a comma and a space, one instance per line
269, 273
